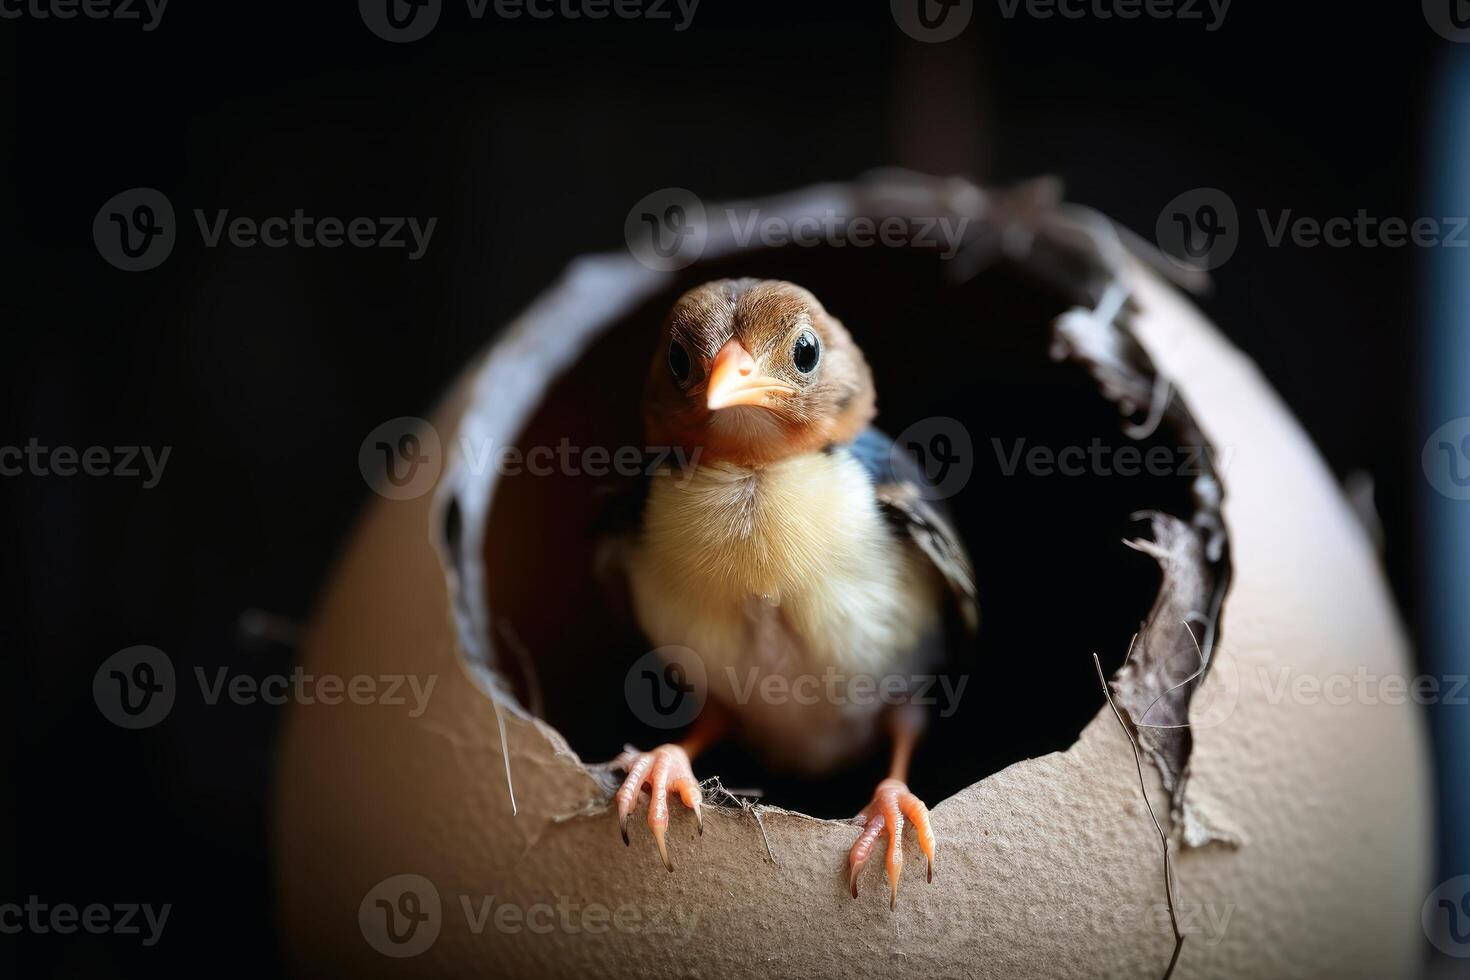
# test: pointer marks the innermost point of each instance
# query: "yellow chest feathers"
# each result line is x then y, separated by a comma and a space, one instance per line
804, 536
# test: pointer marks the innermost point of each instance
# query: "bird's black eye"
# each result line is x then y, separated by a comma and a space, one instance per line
678, 362
806, 353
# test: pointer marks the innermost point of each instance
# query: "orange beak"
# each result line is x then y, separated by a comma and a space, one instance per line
734, 380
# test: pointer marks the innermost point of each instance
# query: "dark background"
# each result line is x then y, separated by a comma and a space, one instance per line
264, 369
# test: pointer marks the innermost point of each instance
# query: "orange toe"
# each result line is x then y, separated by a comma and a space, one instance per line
664, 771
885, 816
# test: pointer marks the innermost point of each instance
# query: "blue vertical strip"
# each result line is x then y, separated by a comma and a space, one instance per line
1446, 374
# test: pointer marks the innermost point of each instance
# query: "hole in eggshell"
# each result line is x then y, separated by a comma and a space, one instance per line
1055, 581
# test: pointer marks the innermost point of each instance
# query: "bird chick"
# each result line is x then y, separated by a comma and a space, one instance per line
798, 545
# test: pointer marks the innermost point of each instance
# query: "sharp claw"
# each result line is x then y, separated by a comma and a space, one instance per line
853, 877
666, 772
931, 871
893, 898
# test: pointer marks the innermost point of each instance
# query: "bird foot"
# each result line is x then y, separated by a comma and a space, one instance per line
665, 771
892, 801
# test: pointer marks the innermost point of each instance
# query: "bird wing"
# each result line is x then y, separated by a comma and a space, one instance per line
900, 486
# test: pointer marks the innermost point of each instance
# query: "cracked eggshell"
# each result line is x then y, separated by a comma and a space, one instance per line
397, 851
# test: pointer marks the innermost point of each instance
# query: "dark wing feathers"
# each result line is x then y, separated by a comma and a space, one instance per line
900, 486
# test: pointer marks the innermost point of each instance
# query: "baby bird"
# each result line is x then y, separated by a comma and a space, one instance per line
797, 545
